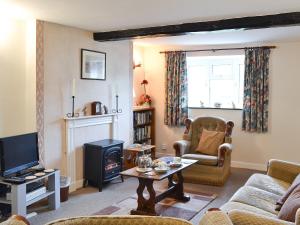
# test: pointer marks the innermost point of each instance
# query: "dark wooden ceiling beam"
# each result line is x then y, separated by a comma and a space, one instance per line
252, 22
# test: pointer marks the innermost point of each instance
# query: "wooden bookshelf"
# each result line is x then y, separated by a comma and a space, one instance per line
144, 125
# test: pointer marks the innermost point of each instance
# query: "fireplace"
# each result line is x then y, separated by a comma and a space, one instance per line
103, 162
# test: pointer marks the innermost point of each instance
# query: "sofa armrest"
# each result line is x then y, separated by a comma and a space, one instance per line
224, 152
283, 170
240, 217
16, 220
215, 217
181, 147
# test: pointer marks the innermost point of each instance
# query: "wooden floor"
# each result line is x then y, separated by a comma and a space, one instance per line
87, 201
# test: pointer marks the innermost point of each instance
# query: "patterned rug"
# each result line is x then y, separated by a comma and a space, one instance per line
167, 207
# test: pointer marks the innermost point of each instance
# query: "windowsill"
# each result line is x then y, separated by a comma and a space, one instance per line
215, 108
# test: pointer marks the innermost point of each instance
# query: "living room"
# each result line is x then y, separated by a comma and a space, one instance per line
46, 91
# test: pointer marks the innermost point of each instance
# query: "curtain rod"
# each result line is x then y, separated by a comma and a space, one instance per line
217, 49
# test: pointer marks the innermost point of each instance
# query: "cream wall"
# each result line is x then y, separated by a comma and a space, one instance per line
17, 76
62, 47
138, 73
250, 150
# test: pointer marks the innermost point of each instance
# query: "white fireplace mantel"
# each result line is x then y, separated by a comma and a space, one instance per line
73, 123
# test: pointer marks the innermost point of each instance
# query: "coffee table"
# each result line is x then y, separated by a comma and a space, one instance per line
175, 189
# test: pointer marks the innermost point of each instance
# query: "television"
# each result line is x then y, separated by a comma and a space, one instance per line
18, 153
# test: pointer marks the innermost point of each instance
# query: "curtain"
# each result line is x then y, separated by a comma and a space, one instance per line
256, 90
176, 105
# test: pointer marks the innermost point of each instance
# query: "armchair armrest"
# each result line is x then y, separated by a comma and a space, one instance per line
224, 151
215, 217
283, 170
181, 147
240, 217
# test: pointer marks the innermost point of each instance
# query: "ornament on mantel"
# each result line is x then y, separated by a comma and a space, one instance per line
145, 100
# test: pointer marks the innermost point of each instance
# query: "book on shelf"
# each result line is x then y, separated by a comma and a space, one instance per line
141, 118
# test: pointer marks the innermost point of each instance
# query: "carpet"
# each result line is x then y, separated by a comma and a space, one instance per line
167, 207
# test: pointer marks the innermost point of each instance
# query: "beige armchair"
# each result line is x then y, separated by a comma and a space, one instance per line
210, 169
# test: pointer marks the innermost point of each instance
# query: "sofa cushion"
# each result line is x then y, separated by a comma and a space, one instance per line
294, 185
208, 160
267, 183
290, 206
210, 142
256, 197
229, 206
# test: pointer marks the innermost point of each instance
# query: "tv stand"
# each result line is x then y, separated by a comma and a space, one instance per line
18, 194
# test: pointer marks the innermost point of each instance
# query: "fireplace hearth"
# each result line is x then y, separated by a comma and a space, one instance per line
103, 162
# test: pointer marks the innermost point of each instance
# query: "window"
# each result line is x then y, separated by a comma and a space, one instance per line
216, 81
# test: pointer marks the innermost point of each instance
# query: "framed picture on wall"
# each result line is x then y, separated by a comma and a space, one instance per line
93, 65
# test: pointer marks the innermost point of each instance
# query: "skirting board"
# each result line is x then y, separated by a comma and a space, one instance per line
246, 165
76, 185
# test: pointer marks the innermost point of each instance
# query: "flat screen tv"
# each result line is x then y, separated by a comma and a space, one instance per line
18, 153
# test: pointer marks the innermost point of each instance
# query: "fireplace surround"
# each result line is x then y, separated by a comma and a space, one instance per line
103, 162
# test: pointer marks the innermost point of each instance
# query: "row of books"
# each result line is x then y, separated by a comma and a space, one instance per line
140, 118
142, 134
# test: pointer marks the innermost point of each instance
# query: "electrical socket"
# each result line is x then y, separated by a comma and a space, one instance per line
163, 147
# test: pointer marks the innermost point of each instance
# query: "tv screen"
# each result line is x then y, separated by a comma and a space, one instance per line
18, 153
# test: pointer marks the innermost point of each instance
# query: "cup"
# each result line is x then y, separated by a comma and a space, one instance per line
177, 160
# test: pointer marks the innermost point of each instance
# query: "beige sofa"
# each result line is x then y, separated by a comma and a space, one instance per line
254, 203
120, 220
105, 220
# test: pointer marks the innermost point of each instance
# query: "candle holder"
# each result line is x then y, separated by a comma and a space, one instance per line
72, 114
117, 110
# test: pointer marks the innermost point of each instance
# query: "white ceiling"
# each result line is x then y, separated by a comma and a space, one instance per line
106, 15
226, 37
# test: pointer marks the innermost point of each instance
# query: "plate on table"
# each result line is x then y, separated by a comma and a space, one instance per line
175, 164
161, 170
143, 170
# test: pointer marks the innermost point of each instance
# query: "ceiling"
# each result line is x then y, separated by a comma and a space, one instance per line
227, 37
107, 15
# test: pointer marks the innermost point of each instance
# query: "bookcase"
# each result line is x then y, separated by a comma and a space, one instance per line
143, 125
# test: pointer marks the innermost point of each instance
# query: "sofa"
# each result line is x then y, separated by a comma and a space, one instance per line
105, 220
211, 169
255, 202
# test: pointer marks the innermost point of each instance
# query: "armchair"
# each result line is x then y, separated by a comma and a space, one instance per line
210, 169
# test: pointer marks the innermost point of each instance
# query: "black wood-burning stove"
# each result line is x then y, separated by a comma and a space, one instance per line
103, 162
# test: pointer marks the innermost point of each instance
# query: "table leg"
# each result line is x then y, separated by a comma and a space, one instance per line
179, 194
145, 206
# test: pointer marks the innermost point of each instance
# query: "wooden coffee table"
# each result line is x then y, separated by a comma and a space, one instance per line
175, 189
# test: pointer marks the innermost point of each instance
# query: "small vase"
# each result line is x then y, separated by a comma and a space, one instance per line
146, 104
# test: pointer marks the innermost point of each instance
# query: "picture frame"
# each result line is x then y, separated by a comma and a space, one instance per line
93, 65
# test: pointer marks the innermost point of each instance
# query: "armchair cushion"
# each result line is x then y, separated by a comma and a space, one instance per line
210, 142
209, 160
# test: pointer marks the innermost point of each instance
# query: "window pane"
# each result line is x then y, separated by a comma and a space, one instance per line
198, 89
222, 72
216, 81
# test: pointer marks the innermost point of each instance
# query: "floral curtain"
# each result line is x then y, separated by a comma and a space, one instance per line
256, 90
176, 105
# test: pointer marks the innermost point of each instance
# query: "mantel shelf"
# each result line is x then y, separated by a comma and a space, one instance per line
92, 116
